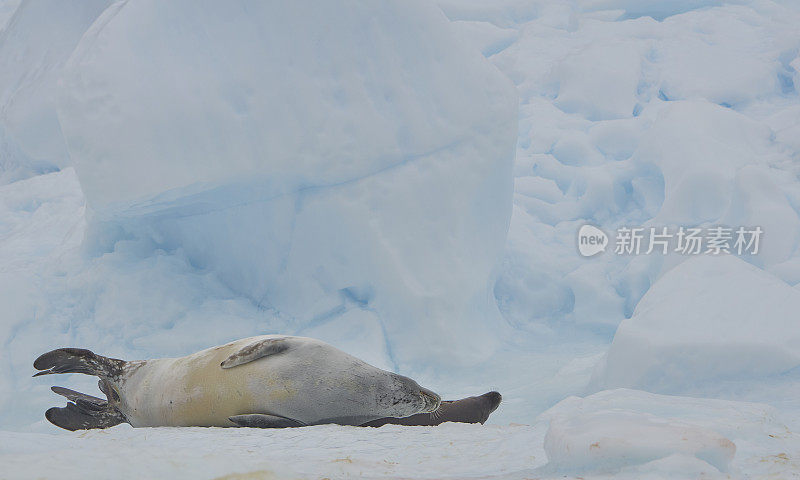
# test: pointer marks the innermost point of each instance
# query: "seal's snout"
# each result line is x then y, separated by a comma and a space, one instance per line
432, 400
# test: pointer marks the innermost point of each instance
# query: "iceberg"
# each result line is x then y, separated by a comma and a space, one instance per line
37, 37
317, 158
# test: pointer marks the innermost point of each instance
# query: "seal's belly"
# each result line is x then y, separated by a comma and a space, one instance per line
196, 391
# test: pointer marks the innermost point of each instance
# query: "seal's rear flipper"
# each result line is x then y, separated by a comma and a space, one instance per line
467, 410
83, 411
77, 360
260, 420
88, 401
78, 417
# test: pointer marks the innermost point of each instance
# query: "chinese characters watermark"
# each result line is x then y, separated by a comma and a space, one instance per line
714, 240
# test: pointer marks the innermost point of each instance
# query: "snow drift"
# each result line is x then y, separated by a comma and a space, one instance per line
708, 320
322, 159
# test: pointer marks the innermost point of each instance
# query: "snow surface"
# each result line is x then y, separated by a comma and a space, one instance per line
705, 429
392, 173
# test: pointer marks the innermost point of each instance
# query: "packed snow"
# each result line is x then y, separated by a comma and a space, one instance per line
634, 434
602, 441
178, 175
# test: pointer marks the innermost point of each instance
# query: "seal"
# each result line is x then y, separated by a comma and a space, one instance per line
269, 381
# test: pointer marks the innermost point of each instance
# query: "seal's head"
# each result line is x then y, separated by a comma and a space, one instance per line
405, 397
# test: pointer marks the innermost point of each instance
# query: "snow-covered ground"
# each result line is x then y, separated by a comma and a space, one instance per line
379, 225
613, 434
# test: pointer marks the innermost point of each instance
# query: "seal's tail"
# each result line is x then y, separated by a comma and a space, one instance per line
78, 360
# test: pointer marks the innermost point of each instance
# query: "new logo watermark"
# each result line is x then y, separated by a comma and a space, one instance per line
591, 240
714, 240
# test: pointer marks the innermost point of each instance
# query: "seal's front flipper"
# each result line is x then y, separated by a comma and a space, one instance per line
254, 351
467, 410
260, 420
77, 417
